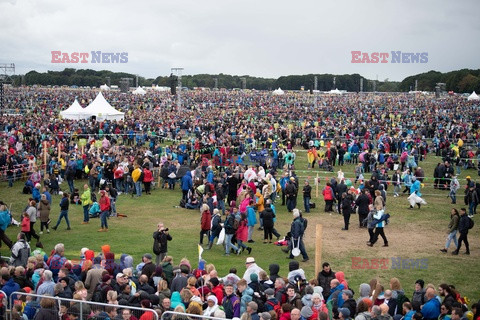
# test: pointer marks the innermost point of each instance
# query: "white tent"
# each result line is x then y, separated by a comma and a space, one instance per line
139, 90
336, 91
279, 91
104, 87
101, 109
473, 96
74, 112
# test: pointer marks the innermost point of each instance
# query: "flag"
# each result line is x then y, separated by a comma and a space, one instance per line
200, 251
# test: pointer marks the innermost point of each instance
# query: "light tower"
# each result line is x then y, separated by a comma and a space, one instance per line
178, 73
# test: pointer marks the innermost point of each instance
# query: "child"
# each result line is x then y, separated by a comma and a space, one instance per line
75, 197
26, 223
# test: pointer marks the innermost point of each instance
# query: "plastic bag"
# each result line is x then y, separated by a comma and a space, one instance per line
221, 237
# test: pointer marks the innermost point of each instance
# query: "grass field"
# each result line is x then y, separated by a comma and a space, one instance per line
412, 234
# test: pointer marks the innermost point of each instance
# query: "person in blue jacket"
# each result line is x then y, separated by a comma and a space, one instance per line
431, 309
251, 219
187, 184
36, 193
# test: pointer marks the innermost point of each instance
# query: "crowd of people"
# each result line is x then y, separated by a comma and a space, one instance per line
232, 155
124, 288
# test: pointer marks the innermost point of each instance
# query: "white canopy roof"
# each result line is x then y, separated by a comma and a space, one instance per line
104, 87
279, 91
473, 96
336, 91
139, 90
103, 110
74, 112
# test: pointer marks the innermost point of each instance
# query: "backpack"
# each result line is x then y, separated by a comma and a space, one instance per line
401, 299
276, 307
236, 224
259, 298
305, 223
471, 223
98, 294
182, 203
22, 257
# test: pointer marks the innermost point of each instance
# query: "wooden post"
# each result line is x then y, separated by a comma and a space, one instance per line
318, 248
316, 187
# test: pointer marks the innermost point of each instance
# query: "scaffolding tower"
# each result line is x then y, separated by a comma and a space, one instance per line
7, 70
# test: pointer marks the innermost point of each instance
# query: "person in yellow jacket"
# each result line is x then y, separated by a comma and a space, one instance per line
63, 166
259, 205
136, 177
86, 199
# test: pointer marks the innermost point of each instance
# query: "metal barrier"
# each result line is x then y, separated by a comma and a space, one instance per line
169, 314
84, 311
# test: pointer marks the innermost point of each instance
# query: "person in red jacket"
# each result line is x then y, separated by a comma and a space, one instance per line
104, 203
328, 196
147, 179
205, 222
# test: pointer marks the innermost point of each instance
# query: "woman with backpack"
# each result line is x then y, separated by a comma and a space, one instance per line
452, 230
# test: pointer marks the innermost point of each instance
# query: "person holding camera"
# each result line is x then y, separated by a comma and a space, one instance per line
161, 236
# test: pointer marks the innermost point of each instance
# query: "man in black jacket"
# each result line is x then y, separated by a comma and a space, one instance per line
324, 277
346, 209
160, 244
290, 192
341, 189
463, 225
362, 203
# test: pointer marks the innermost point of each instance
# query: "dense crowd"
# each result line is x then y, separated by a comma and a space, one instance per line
200, 290
226, 152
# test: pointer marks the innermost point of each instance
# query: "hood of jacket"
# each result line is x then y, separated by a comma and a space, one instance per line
364, 290
274, 269
340, 276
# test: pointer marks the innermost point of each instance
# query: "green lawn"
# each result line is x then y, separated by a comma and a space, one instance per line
413, 234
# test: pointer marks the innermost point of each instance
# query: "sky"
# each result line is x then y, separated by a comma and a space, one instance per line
259, 38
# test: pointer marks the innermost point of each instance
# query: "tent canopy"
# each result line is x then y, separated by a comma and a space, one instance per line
279, 91
101, 109
104, 87
473, 96
336, 91
74, 112
139, 90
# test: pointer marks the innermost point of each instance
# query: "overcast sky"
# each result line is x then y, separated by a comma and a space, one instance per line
259, 38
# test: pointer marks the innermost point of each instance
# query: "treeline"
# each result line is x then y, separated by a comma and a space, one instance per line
464, 80
461, 81
92, 78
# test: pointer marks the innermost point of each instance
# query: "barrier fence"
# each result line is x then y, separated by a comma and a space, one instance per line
54, 307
